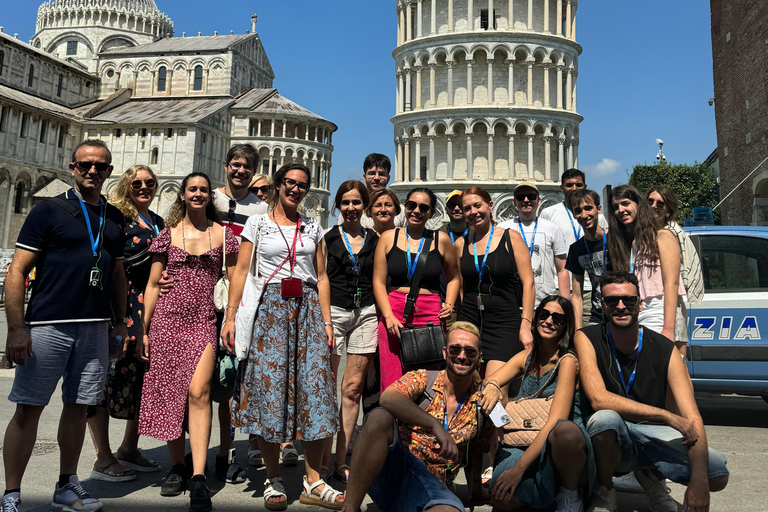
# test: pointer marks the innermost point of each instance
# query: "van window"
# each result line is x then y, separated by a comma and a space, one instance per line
732, 263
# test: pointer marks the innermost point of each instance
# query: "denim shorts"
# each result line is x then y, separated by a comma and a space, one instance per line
405, 484
77, 351
659, 447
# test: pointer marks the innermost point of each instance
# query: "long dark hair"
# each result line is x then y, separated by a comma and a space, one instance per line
620, 237
280, 176
670, 201
566, 342
179, 208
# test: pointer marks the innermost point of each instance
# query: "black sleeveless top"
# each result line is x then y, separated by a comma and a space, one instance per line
497, 280
397, 267
650, 385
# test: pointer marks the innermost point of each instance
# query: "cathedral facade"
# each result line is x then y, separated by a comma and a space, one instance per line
113, 70
486, 96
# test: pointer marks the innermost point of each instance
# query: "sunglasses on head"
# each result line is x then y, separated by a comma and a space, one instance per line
412, 205
630, 301
531, 196
557, 318
149, 183
86, 166
456, 350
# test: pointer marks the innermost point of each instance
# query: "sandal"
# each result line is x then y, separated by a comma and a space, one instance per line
324, 472
342, 474
326, 497
273, 488
138, 463
112, 472
487, 476
289, 456
254, 454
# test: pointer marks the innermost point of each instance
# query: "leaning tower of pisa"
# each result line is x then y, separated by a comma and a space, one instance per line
486, 95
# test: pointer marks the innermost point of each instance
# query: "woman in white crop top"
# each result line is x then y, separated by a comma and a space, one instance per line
286, 389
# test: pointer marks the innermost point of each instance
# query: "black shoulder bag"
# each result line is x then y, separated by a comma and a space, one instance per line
420, 347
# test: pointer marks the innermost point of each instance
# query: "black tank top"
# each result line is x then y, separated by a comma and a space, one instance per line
397, 267
497, 276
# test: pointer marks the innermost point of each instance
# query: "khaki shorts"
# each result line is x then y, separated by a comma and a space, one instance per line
356, 330
681, 321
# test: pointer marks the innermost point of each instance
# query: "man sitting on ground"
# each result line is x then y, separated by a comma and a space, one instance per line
407, 457
626, 371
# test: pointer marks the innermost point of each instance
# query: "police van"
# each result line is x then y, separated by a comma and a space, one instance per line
728, 330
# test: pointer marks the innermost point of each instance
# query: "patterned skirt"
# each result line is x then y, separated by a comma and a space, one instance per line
286, 387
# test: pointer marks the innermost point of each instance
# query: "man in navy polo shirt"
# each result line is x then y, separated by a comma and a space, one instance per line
76, 243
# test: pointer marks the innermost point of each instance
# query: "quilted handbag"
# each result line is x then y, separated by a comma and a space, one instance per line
529, 415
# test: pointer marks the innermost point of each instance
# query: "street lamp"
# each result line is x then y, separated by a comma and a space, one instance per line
660, 155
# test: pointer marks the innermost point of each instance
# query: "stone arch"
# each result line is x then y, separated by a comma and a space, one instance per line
179, 65
457, 51
105, 44
143, 65
501, 47
160, 63
217, 64
521, 48
71, 34
504, 208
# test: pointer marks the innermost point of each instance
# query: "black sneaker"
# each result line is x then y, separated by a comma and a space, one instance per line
175, 482
199, 495
228, 470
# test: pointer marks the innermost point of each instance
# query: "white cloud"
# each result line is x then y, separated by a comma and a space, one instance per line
605, 167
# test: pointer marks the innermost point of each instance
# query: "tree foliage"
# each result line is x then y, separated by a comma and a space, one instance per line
693, 185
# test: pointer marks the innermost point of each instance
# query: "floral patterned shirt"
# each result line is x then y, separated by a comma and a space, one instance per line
463, 426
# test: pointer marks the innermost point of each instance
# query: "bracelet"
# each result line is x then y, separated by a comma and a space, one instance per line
233, 307
327, 324
448, 303
529, 321
494, 385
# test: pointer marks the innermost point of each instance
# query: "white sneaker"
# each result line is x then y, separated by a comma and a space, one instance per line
10, 502
627, 483
603, 500
568, 501
659, 499
74, 498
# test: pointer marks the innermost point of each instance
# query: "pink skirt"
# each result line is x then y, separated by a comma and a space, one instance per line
426, 309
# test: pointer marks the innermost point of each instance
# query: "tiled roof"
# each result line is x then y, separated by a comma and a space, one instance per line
45, 55
36, 103
163, 111
268, 101
53, 189
183, 44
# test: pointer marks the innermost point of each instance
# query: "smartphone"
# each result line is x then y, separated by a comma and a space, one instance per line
499, 416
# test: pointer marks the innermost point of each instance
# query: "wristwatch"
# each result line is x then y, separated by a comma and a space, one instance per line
124, 320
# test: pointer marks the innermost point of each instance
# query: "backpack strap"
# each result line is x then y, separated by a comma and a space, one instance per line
428, 395
413, 293
67, 206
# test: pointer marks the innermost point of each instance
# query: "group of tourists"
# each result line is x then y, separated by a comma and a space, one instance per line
239, 298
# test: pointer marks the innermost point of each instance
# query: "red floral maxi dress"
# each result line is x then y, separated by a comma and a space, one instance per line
182, 325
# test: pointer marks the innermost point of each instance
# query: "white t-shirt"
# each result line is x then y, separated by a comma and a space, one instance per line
244, 208
548, 242
273, 248
569, 226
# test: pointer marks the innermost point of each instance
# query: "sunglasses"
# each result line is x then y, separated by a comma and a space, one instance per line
574, 185
264, 189
412, 205
290, 184
136, 184
456, 350
86, 166
557, 318
453, 206
527, 197
656, 203
630, 301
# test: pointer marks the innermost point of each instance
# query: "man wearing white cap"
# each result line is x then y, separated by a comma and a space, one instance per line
545, 242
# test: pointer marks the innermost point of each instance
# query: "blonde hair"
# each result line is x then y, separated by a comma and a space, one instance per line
259, 177
120, 198
466, 327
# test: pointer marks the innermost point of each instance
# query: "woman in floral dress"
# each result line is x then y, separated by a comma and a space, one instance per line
134, 193
180, 342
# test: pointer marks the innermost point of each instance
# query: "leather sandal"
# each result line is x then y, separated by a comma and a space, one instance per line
254, 454
342, 473
289, 456
327, 497
112, 472
138, 462
273, 488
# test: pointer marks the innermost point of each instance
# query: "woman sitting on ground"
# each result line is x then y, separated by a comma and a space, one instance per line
559, 463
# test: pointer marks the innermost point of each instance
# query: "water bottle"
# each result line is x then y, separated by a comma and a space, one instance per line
115, 346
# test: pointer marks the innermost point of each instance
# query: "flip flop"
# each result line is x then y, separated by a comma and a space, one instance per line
112, 472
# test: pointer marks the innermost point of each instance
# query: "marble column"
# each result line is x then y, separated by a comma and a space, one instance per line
573, 95
271, 161
407, 161
511, 85
272, 129
399, 161
470, 159
432, 99
401, 25
491, 16
285, 127
408, 20
568, 98
561, 155
568, 20
547, 68
470, 16
491, 159
570, 153
431, 167
546, 16
417, 159
408, 91
530, 83
419, 23
418, 86
547, 159
8, 212
511, 15
511, 160
450, 15
559, 17
573, 24
449, 156
400, 93
450, 82
490, 81
469, 83
530, 157
530, 14
560, 86
575, 149
433, 19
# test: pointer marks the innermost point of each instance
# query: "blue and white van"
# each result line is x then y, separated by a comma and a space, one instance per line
728, 331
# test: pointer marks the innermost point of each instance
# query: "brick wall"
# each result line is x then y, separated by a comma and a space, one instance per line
740, 68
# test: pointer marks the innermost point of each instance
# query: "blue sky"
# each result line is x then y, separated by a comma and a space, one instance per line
645, 73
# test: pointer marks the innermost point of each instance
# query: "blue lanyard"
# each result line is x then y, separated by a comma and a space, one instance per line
352, 256
533, 237
605, 249
480, 269
94, 243
446, 422
576, 234
152, 225
631, 260
453, 240
412, 267
627, 386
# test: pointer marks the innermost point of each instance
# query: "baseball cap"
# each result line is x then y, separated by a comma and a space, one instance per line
453, 194
526, 184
